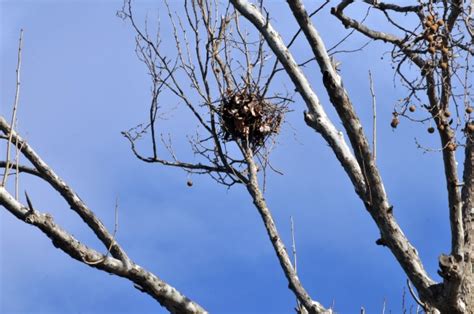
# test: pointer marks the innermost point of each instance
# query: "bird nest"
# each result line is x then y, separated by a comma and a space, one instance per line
249, 118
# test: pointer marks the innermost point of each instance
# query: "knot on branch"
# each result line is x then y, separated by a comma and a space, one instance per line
247, 117
309, 118
450, 266
381, 242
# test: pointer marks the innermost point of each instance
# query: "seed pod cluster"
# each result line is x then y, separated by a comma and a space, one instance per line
435, 39
249, 117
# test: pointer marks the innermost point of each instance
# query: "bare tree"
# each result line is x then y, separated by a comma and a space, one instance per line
223, 69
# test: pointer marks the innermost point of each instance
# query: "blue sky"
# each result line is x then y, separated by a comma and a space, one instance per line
82, 85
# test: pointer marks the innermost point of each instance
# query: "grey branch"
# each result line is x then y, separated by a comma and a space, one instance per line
66, 192
363, 172
147, 282
295, 285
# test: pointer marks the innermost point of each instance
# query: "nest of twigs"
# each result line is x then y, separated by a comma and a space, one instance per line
249, 118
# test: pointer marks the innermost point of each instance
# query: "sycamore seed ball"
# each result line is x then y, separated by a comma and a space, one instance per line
470, 127
394, 122
451, 146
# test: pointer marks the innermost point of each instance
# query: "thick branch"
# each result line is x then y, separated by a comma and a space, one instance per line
147, 282
391, 232
467, 191
67, 193
316, 117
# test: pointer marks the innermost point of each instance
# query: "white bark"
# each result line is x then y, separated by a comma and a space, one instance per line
119, 264
362, 171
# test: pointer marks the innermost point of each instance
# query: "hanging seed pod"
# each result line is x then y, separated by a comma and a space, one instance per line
430, 17
430, 38
412, 108
444, 65
431, 130
189, 183
447, 114
440, 22
469, 109
470, 127
441, 127
394, 122
432, 50
445, 51
434, 28
428, 23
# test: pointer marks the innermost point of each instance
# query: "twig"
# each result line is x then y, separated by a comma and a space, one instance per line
293, 243
423, 305
374, 117
293, 249
17, 170
113, 237
15, 106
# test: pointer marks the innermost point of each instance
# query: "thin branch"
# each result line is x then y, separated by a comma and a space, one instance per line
24, 169
374, 117
66, 192
114, 234
414, 296
15, 107
295, 285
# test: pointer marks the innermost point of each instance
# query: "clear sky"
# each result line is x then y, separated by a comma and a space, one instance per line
82, 84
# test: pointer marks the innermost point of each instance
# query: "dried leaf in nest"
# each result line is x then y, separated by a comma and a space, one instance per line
248, 117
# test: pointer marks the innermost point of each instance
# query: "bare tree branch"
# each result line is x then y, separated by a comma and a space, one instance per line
15, 107
67, 193
144, 280
285, 261
377, 204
